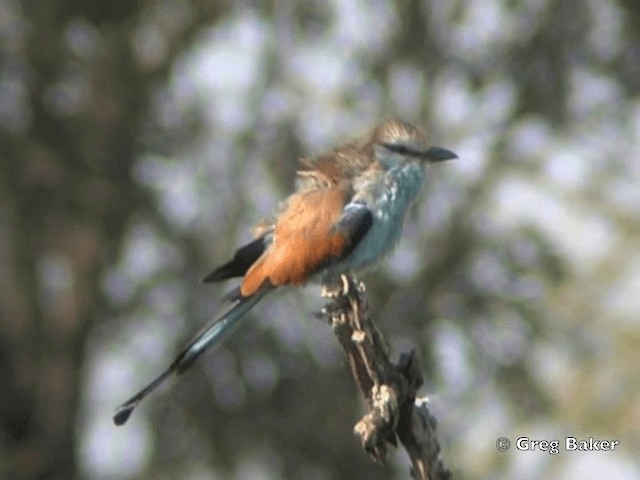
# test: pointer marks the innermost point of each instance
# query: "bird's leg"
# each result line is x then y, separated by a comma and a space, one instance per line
339, 287
332, 289
345, 284
337, 291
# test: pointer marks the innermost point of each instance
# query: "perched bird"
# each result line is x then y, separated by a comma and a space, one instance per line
345, 216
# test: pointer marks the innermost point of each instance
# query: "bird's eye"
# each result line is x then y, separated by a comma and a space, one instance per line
401, 149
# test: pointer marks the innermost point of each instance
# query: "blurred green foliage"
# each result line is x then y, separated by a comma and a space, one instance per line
141, 140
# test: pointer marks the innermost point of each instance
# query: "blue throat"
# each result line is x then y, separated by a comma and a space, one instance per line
388, 195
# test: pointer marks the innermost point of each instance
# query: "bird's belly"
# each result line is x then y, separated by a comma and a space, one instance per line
376, 244
379, 241
388, 204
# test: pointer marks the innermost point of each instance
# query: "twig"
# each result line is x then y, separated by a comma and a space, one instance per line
389, 391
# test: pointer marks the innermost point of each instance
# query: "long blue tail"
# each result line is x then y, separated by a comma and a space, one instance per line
213, 334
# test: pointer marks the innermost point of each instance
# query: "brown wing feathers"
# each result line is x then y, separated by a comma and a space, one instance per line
304, 237
303, 240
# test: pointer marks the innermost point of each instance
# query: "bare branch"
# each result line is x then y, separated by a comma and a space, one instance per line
389, 391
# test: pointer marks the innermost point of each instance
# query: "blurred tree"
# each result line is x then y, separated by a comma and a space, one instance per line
140, 139
77, 82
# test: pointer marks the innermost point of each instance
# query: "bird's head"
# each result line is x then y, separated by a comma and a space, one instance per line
396, 142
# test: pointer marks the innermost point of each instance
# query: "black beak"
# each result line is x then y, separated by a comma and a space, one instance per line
437, 154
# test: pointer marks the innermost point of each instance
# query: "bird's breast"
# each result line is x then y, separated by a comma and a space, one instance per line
389, 197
